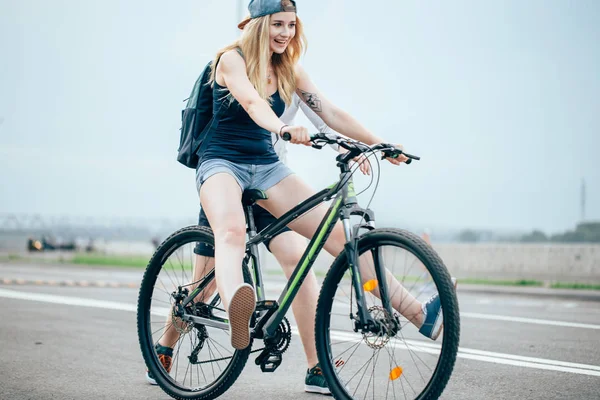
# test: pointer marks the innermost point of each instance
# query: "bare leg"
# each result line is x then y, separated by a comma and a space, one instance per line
202, 266
402, 301
221, 198
288, 248
230, 235
291, 191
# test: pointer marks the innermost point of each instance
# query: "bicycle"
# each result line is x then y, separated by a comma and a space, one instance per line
349, 343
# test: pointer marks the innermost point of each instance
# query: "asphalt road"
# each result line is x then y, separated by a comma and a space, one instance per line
79, 341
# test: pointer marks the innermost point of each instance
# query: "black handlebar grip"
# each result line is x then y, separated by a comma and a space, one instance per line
405, 162
410, 156
286, 136
396, 155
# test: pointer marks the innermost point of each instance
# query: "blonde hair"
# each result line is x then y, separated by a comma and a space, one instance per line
255, 46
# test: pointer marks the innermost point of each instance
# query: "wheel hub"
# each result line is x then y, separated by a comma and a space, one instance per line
385, 328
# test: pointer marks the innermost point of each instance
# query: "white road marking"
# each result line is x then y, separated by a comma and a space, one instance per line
344, 306
68, 300
414, 345
486, 356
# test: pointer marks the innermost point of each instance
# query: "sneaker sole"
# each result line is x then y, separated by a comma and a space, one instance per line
439, 324
316, 389
241, 308
150, 380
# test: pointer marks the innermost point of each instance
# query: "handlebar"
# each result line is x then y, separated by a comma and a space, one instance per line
355, 147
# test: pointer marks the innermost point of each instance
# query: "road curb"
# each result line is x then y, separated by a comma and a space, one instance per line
572, 294
67, 283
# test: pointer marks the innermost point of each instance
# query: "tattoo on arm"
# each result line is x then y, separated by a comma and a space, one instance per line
312, 100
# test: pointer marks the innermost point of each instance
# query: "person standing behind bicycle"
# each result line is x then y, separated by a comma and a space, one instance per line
258, 75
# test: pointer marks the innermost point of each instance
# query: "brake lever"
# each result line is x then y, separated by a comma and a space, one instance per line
319, 143
386, 154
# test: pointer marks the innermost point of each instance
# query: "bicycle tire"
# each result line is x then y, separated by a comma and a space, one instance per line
451, 331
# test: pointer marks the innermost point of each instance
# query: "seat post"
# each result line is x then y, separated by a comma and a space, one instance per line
253, 256
250, 225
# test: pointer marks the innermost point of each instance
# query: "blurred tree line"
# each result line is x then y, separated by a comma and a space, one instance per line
585, 232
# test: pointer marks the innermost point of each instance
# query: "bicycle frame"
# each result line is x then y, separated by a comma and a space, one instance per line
344, 205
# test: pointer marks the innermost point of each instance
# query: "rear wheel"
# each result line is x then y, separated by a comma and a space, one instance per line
396, 362
204, 364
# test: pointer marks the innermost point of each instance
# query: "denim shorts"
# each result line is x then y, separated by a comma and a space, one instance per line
248, 176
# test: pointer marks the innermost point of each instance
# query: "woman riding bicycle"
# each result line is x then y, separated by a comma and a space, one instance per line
255, 77
287, 247
258, 75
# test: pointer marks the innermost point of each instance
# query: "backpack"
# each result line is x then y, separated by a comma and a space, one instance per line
197, 121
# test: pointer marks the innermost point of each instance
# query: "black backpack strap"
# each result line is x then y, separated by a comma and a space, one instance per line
209, 129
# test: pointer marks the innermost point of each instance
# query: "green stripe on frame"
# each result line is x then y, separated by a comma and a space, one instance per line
313, 250
258, 289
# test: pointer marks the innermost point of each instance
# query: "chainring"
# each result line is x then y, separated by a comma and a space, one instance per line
283, 337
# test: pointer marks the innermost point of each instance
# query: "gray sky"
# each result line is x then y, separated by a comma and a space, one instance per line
500, 98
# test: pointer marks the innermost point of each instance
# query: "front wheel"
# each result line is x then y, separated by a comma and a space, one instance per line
394, 361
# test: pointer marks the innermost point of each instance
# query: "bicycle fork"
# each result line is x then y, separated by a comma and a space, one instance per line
364, 321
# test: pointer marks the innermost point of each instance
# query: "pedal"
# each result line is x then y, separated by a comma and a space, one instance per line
268, 361
265, 305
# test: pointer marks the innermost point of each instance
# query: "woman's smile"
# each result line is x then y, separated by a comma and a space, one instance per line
281, 42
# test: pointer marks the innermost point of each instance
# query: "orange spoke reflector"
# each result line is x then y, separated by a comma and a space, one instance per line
370, 285
395, 374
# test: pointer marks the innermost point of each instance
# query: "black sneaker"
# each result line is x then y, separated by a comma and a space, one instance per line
165, 356
315, 381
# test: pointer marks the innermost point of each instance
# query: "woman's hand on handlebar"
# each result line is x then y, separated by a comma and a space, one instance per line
298, 135
400, 159
393, 153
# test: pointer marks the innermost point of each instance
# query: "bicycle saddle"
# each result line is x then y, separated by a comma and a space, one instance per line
250, 196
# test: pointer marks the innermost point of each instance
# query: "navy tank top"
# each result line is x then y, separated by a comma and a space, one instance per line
237, 138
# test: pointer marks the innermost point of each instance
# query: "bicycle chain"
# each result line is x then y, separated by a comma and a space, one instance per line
287, 332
